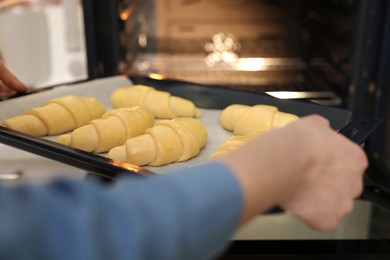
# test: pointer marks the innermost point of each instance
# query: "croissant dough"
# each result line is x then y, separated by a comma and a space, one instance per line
248, 122
57, 116
112, 129
234, 142
162, 104
243, 119
168, 141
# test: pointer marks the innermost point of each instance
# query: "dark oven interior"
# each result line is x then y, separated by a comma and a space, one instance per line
290, 49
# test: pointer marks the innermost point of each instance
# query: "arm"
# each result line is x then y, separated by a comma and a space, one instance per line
9, 84
189, 214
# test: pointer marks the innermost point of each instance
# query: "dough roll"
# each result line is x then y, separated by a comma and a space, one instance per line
168, 141
112, 129
57, 116
162, 104
243, 119
234, 142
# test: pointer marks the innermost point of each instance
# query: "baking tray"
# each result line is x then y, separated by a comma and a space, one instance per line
210, 99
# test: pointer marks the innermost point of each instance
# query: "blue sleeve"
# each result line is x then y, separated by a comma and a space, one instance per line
188, 214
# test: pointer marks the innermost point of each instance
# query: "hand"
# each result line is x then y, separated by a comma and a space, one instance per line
9, 84
306, 167
333, 178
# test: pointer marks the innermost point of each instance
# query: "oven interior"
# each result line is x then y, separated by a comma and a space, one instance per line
290, 49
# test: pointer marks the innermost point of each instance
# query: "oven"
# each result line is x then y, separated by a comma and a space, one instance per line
331, 53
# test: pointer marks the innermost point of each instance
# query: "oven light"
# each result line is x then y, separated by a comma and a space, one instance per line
251, 64
302, 94
125, 14
156, 76
288, 94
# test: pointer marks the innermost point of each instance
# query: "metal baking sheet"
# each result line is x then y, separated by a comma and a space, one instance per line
210, 99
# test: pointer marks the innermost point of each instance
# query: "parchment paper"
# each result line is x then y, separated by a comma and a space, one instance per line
101, 89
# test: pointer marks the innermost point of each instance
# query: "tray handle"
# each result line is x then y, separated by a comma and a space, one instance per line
359, 129
92, 163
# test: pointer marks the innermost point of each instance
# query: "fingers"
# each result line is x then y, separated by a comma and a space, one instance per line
5, 91
356, 163
317, 119
9, 81
357, 188
330, 221
329, 199
321, 210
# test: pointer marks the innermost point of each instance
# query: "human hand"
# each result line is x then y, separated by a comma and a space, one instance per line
333, 177
307, 168
9, 84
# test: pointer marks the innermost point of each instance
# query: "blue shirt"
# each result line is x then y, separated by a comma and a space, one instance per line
187, 214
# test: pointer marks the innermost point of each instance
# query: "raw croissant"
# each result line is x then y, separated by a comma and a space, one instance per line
243, 119
162, 104
57, 116
233, 143
168, 141
111, 130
